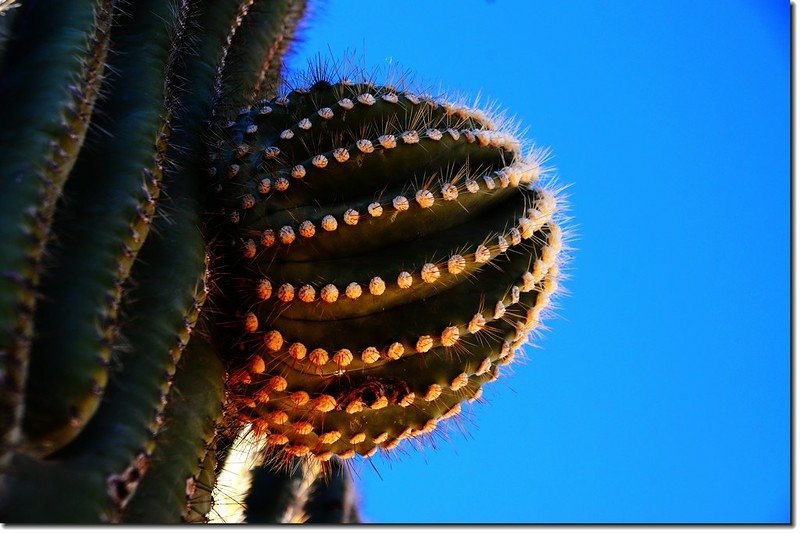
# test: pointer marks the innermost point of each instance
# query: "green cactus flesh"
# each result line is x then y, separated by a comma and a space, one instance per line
41, 131
389, 251
251, 63
199, 490
118, 301
299, 492
99, 228
193, 407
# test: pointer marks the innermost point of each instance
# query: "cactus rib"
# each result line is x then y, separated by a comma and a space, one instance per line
254, 43
101, 226
194, 404
108, 459
41, 134
199, 490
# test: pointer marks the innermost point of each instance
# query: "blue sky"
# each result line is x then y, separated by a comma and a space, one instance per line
661, 391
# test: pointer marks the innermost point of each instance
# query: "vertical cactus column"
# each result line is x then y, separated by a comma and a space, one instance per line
100, 226
390, 251
193, 409
41, 134
104, 264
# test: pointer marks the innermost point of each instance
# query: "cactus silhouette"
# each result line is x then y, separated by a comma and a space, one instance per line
199, 260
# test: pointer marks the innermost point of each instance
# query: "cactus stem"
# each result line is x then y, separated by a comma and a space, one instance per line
257, 38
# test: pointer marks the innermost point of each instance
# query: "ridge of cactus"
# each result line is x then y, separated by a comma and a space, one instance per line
106, 462
200, 502
386, 253
100, 225
407, 271
41, 135
256, 45
193, 407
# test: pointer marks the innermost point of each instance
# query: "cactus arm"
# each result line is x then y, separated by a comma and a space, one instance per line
41, 133
390, 251
278, 496
256, 46
333, 497
193, 405
110, 200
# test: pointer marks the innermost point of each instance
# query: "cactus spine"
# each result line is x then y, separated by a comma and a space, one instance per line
197, 261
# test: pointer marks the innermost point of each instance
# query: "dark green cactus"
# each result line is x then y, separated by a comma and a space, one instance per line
198, 261
99, 229
299, 493
393, 249
42, 133
103, 258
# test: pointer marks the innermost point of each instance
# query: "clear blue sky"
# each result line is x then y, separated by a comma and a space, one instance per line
661, 393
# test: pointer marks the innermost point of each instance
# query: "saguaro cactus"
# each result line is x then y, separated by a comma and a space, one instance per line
195, 254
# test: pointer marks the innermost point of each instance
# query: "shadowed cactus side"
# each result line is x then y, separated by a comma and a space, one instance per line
42, 133
103, 260
309, 497
196, 261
